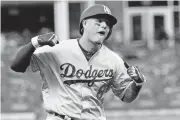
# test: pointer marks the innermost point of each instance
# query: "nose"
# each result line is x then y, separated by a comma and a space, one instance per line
103, 24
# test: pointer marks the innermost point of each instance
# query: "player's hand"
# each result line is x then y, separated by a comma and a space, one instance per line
134, 73
45, 39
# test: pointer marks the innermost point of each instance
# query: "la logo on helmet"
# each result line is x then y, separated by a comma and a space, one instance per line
107, 10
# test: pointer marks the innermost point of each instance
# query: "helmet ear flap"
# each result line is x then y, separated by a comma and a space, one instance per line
110, 31
81, 29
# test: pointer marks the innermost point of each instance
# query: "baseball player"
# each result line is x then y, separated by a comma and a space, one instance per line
76, 73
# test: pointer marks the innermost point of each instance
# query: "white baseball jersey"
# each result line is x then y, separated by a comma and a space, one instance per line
75, 87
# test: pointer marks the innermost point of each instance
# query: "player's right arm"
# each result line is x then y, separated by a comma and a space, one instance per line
23, 57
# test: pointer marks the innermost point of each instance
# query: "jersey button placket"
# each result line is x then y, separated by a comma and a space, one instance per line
82, 98
84, 85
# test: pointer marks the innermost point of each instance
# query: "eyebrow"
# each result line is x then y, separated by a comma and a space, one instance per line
105, 20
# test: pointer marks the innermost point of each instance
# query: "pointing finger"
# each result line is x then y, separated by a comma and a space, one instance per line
126, 65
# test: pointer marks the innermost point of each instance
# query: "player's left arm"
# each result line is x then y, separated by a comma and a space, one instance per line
135, 86
127, 85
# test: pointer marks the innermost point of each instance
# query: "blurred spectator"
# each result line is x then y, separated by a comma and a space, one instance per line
14, 39
117, 36
74, 33
39, 110
177, 41
3, 45
44, 30
162, 37
26, 33
3, 42
177, 35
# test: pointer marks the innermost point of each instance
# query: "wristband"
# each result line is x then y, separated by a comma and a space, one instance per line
34, 42
140, 84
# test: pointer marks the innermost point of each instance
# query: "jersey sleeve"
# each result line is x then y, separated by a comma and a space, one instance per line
121, 79
39, 59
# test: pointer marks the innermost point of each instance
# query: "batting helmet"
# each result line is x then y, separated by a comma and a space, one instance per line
96, 11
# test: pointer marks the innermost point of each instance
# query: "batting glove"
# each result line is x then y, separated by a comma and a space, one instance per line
135, 74
45, 39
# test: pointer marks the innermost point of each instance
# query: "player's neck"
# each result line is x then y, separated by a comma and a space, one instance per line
88, 45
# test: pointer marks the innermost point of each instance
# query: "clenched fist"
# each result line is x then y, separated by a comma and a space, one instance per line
45, 39
135, 74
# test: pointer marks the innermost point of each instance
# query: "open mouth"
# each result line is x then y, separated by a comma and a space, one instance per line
102, 32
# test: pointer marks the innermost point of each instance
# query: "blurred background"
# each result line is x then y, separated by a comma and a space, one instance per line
147, 35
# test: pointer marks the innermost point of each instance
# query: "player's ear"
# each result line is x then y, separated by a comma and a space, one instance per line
84, 22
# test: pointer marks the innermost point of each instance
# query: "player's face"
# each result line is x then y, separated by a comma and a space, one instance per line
97, 29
